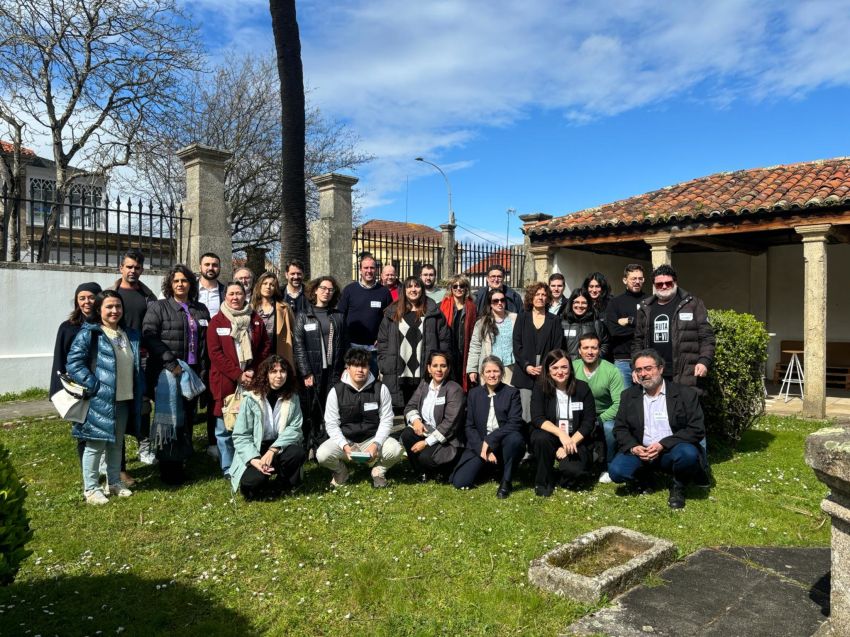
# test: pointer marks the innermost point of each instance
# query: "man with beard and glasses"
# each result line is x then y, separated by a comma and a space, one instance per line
675, 324
659, 427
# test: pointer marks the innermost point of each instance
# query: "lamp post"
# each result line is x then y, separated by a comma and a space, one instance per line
510, 211
448, 187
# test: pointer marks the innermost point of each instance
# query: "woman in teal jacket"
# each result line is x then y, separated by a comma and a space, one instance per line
104, 358
267, 437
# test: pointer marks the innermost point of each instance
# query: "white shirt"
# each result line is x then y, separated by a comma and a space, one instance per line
492, 422
210, 298
656, 424
564, 414
427, 415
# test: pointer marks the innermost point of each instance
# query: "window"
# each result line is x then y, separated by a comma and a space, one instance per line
41, 200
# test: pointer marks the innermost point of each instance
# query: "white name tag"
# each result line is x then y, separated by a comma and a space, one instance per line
376, 304
370, 406
441, 400
203, 322
686, 316
571, 332
659, 416
576, 406
222, 331
309, 327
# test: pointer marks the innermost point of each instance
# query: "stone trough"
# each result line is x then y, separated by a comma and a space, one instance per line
602, 563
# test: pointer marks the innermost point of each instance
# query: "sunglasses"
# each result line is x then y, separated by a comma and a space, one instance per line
494, 301
664, 284
457, 286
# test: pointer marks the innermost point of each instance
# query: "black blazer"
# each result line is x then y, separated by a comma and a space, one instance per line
508, 412
683, 412
545, 407
525, 351
448, 416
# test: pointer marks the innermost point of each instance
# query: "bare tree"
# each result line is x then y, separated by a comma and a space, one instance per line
287, 41
92, 73
11, 172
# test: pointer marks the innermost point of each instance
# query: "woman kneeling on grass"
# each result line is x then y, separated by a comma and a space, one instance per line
105, 360
267, 436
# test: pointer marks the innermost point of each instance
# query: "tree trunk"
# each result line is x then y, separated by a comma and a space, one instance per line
293, 231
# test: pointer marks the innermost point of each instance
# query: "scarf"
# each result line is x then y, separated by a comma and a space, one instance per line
169, 415
447, 307
240, 330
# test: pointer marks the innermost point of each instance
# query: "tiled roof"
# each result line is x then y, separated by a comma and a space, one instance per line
500, 257
807, 185
401, 229
8, 147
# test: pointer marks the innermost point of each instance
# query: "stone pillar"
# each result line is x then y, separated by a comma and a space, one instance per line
540, 255
206, 208
330, 234
529, 274
828, 453
255, 260
661, 246
449, 246
814, 319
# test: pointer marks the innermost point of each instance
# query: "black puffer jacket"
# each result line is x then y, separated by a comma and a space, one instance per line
575, 327
308, 343
691, 336
437, 338
166, 337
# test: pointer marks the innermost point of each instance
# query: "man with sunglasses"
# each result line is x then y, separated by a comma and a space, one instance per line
675, 323
496, 281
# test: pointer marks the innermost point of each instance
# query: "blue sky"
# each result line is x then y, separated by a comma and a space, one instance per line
554, 106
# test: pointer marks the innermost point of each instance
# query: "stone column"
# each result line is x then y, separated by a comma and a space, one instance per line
661, 246
447, 241
255, 260
541, 255
529, 274
814, 319
206, 207
330, 234
828, 453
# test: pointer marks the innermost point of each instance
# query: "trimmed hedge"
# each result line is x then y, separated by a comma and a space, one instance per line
734, 395
15, 529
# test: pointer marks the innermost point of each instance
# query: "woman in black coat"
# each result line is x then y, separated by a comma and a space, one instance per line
175, 328
412, 328
434, 416
580, 319
563, 420
495, 432
318, 340
535, 333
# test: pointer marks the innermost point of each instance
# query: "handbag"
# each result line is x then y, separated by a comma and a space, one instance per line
230, 408
72, 401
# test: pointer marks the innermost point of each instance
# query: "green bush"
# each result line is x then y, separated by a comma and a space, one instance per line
734, 395
15, 529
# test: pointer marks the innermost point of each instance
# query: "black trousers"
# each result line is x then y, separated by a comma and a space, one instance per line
313, 400
424, 462
287, 467
471, 468
570, 470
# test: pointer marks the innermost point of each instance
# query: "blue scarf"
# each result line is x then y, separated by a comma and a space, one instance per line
169, 414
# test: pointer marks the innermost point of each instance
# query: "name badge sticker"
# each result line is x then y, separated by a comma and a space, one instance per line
571, 332
203, 322
309, 327
576, 406
659, 416
563, 425
222, 331
686, 316
376, 304
441, 400
370, 406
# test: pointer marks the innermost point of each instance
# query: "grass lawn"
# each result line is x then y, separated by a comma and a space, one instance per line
409, 560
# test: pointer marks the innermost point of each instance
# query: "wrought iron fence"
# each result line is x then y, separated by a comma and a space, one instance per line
92, 230
408, 252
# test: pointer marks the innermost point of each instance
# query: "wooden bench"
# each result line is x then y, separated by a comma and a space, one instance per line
837, 363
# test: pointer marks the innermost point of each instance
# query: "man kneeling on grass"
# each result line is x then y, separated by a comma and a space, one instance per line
358, 419
659, 427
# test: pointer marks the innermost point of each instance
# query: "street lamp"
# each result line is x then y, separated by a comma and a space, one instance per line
448, 187
510, 211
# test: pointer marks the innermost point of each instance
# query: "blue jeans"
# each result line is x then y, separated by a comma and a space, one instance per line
610, 442
682, 461
625, 367
224, 442
96, 448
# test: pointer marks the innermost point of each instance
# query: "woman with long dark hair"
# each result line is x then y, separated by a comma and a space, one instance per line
318, 338
267, 301
267, 436
412, 328
104, 358
563, 420
459, 310
493, 334
598, 291
175, 331
579, 319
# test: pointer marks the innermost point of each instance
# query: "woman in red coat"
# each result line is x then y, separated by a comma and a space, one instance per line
460, 313
237, 342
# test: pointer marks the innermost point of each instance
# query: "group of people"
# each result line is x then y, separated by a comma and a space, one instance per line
290, 372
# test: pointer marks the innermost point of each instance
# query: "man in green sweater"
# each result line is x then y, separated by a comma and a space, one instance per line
606, 385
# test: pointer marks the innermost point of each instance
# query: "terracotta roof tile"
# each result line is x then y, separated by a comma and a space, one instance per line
8, 147
402, 229
815, 184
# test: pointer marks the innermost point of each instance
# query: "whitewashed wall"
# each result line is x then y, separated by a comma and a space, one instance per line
35, 300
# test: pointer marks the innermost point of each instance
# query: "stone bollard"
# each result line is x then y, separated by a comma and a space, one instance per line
828, 454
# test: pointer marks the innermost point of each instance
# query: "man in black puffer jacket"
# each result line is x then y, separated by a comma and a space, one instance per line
675, 324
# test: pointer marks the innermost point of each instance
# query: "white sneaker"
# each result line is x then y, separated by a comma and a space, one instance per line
340, 476
96, 496
120, 490
212, 452
604, 478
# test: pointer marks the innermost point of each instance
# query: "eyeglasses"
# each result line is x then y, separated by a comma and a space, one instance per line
499, 301
664, 284
647, 368
457, 286
324, 288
